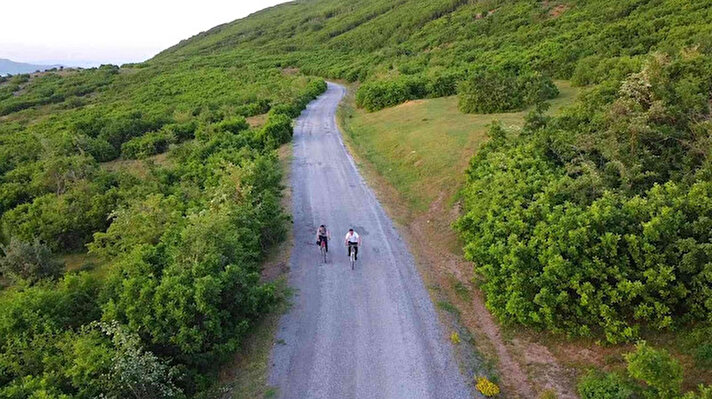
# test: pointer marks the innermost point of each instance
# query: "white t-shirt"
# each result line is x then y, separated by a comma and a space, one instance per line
352, 237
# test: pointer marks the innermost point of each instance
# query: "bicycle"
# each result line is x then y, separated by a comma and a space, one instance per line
323, 250
352, 255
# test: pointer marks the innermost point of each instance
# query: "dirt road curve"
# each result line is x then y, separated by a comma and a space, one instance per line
369, 333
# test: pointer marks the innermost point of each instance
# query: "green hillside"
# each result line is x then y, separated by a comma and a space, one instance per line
593, 223
370, 40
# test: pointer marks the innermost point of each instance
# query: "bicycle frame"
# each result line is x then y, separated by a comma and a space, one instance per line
352, 255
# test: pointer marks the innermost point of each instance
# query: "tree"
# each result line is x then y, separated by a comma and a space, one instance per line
31, 261
135, 372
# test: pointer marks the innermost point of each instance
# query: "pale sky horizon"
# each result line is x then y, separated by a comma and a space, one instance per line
86, 33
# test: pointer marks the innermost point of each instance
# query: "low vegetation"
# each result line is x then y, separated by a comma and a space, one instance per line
409, 49
486, 387
423, 147
376, 95
650, 373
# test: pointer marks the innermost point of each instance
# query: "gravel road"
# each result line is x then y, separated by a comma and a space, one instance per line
368, 333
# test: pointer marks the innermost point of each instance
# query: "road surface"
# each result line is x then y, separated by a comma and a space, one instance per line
369, 333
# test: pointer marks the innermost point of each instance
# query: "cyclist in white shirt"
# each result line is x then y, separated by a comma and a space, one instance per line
352, 240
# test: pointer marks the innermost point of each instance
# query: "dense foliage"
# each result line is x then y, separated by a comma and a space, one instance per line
490, 91
599, 220
651, 373
54, 88
377, 95
181, 242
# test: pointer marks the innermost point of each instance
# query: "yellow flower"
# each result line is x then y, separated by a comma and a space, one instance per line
455, 338
487, 387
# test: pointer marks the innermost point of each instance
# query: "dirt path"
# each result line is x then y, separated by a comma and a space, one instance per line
368, 333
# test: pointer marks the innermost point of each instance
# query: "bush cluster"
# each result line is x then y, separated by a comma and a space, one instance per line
660, 374
599, 220
490, 91
377, 95
294, 107
146, 145
29, 261
158, 142
52, 348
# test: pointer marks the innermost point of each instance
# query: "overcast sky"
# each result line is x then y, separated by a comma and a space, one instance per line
100, 31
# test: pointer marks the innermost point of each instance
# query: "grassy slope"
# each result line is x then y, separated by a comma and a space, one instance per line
423, 147
367, 39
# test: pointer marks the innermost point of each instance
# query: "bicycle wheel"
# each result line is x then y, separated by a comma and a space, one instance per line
323, 253
353, 260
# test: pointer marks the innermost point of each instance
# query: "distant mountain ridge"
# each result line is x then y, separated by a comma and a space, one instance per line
12, 68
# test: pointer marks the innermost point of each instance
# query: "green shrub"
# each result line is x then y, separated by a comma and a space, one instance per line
703, 392
146, 145
285, 109
576, 225
31, 261
703, 355
276, 131
101, 150
253, 108
130, 125
64, 222
490, 91
207, 291
604, 386
134, 371
234, 125
377, 95
443, 85
37, 321
143, 222
656, 368
596, 69
651, 373
182, 131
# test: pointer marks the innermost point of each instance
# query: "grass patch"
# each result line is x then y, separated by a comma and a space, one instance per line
257, 121
462, 291
83, 262
423, 147
137, 167
449, 307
